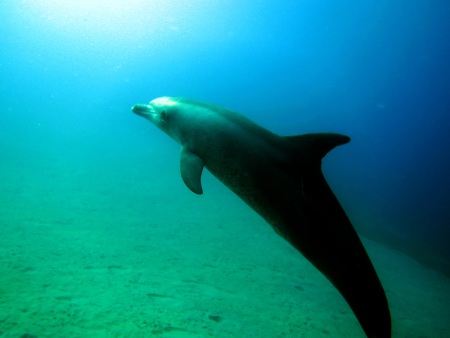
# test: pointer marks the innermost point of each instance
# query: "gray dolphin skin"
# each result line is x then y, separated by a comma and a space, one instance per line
281, 179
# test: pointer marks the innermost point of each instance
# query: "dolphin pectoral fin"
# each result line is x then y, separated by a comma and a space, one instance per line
191, 167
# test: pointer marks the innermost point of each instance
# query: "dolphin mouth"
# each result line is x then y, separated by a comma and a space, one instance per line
143, 110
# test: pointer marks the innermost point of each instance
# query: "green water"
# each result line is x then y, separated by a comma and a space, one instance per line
119, 247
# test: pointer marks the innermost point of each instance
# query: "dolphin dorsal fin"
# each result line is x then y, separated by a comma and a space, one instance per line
191, 167
317, 145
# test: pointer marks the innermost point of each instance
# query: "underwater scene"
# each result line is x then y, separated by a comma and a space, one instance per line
161, 168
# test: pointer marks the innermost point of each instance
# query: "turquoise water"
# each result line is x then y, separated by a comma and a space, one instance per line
99, 237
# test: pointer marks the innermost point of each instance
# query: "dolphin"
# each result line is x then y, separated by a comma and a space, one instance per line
281, 179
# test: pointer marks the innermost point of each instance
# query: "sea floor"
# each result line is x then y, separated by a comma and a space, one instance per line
126, 250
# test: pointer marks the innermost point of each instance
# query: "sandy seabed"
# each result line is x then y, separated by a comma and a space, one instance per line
104, 251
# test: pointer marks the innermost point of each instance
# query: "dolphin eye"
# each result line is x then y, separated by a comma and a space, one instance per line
163, 115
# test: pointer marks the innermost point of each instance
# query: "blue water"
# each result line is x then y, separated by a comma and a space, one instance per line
376, 71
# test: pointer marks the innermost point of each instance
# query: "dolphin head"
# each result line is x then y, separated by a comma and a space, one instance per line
161, 112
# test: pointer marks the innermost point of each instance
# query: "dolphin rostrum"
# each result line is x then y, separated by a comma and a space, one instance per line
281, 179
